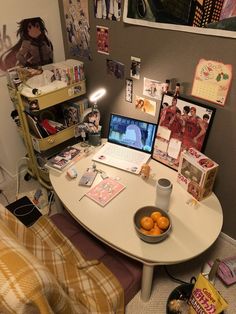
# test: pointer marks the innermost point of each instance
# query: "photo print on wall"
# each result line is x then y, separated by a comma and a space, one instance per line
102, 39
115, 68
145, 105
152, 88
135, 68
182, 124
129, 90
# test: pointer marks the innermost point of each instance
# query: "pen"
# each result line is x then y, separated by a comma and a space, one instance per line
82, 197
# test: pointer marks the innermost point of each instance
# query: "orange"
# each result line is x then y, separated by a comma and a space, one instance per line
156, 227
144, 231
155, 216
155, 231
146, 223
163, 222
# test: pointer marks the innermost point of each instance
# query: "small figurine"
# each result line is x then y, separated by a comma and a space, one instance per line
166, 86
177, 90
145, 171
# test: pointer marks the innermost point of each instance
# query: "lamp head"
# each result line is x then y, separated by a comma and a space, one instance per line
97, 95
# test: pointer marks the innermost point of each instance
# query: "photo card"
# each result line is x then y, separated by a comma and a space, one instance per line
182, 124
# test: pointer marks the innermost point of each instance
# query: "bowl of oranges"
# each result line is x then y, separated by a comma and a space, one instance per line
152, 224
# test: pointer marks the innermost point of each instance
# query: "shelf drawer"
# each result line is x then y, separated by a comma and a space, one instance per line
43, 144
59, 95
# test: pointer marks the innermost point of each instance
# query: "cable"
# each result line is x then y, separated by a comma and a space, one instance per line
176, 279
2, 174
18, 172
51, 196
4, 195
25, 213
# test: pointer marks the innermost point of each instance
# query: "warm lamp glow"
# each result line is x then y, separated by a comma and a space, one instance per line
97, 95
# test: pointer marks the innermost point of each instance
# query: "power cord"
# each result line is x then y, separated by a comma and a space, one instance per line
192, 280
4, 195
18, 173
2, 174
50, 200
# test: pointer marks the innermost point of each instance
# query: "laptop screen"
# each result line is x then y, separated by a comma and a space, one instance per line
130, 132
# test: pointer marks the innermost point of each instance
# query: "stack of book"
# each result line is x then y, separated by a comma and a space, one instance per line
69, 71
73, 111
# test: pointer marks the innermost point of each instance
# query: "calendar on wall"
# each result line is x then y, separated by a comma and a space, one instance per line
212, 81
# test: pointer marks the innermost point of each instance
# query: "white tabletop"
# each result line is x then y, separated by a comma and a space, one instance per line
194, 228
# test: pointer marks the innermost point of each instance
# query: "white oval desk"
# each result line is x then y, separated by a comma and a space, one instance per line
195, 228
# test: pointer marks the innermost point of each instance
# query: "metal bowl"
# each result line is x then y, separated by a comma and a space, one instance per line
147, 211
183, 293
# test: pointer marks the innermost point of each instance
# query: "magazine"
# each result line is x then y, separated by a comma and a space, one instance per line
64, 158
105, 191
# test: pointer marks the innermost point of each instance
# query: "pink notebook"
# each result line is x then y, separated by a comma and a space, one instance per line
105, 191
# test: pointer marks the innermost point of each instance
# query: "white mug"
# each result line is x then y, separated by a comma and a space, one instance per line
163, 192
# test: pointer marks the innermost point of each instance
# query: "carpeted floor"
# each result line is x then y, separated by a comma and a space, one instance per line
163, 285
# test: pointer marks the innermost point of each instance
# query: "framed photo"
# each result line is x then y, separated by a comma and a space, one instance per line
182, 124
210, 17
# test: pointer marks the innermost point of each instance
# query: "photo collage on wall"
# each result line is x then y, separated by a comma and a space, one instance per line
180, 126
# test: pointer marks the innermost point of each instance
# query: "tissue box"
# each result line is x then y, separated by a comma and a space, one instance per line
197, 173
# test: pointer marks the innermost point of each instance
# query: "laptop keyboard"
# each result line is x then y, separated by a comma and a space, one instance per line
120, 153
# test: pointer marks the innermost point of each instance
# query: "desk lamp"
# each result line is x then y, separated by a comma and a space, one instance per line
96, 96
89, 122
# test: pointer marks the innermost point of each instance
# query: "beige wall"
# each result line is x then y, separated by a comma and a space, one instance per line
13, 11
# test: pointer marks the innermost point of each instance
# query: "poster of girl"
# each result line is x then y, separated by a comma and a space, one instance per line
33, 47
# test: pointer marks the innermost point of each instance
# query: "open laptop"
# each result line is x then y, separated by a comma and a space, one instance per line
129, 145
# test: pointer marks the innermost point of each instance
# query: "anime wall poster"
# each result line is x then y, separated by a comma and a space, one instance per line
107, 9
30, 48
182, 124
103, 39
77, 27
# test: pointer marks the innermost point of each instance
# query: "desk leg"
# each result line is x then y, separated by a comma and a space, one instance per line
59, 206
146, 282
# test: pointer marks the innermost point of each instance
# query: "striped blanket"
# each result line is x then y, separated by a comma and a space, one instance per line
41, 272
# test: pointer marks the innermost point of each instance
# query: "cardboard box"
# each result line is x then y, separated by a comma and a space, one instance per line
197, 173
